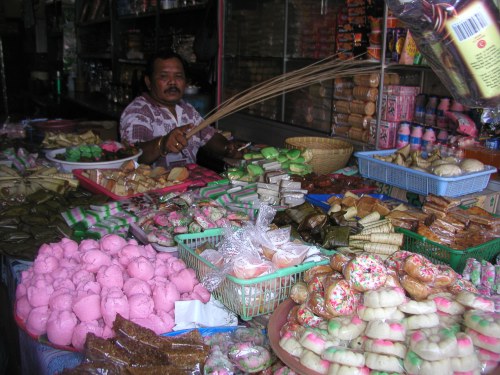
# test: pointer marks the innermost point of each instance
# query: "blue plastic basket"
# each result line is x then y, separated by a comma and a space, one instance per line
420, 182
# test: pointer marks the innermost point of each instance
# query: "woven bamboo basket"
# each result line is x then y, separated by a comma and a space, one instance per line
329, 154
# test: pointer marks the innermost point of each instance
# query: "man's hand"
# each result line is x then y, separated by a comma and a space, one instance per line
176, 140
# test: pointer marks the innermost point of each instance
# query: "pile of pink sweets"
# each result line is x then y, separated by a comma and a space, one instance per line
73, 288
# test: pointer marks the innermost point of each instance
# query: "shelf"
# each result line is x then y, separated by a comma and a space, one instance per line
95, 56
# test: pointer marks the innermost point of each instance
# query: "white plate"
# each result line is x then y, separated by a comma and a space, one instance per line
68, 166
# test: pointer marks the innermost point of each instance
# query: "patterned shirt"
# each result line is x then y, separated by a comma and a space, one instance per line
143, 119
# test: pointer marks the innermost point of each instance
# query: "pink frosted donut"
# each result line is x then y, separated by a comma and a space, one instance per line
346, 328
445, 276
379, 346
365, 272
384, 297
339, 298
87, 307
487, 323
314, 362
112, 243
461, 285
36, 324
141, 268
344, 356
81, 330
45, 264
433, 347
307, 318
386, 330
396, 260
60, 327
482, 341
448, 305
476, 301
382, 362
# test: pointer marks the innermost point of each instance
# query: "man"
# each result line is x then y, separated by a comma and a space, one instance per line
157, 121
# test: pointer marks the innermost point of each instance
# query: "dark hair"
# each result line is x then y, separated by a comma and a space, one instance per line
164, 55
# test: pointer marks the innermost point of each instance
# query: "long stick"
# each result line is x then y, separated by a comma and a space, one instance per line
326, 69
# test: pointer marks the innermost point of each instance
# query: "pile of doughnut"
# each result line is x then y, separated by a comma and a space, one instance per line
364, 315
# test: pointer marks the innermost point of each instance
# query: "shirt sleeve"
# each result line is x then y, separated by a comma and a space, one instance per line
136, 122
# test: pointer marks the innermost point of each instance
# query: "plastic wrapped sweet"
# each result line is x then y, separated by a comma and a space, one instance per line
458, 38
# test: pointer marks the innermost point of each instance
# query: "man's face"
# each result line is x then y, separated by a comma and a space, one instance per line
168, 81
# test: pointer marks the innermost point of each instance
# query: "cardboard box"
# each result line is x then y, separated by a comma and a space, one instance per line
387, 130
398, 102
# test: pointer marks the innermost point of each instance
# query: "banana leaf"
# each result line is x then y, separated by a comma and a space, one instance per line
335, 236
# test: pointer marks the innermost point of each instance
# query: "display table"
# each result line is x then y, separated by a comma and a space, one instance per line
36, 358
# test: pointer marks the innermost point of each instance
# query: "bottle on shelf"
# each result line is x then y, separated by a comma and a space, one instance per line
428, 139
443, 107
430, 111
442, 136
403, 134
416, 138
420, 102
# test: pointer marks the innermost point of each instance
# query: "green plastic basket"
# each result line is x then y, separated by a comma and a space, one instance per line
247, 298
441, 254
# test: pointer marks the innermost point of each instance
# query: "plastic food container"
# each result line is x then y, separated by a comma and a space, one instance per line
420, 182
246, 297
69, 166
441, 254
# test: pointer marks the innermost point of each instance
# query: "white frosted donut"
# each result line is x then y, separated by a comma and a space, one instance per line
314, 362
468, 363
418, 307
313, 341
447, 304
291, 345
358, 342
486, 342
384, 297
344, 356
487, 323
386, 330
465, 346
448, 320
346, 328
373, 372
421, 321
475, 301
336, 369
375, 313
385, 347
418, 366
398, 315
433, 347
382, 362
365, 272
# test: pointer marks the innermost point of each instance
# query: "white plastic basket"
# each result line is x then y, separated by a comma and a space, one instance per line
420, 182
